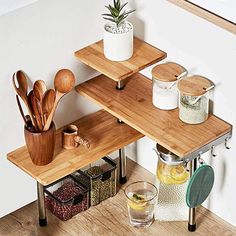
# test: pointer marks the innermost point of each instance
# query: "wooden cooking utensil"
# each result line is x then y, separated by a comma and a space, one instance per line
39, 89
22, 91
64, 82
29, 124
21, 110
34, 107
49, 98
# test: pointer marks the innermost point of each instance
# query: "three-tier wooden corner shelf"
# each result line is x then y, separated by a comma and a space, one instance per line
126, 97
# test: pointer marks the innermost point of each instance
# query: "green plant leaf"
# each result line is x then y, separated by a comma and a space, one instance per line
123, 6
121, 19
118, 5
110, 19
115, 12
107, 15
128, 12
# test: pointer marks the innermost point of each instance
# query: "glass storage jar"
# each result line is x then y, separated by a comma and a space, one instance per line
66, 197
100, 177
194, 99
164, 90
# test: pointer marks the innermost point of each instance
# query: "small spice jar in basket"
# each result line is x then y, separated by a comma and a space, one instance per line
66, 197
164, 80
100, 177
194, 99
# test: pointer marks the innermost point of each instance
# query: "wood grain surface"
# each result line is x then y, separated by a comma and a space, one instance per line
167, 72
110, 218
144, 56
134, 106
102, 131
41, 145
195, 85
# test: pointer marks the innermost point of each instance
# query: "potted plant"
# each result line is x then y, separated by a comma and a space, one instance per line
118, 33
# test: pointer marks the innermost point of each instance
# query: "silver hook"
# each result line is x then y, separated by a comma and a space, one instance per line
200, 160
213, 151
186, 166
226, 143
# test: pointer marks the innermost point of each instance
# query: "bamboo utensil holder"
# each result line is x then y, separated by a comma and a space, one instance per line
41, 145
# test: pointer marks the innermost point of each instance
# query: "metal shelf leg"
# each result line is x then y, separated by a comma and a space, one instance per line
122, 160
192, 211
120, 85
41, 205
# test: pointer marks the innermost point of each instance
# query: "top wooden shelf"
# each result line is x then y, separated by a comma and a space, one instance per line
144, 55
104, 134
134, 106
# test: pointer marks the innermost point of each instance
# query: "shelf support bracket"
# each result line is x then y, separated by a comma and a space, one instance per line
122, 160
122, 154
41, 205
120, 85
192, 211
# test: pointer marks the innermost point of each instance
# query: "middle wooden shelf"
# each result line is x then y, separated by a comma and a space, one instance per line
133, 105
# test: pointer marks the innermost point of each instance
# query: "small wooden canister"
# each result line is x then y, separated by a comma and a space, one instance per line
41, 145
71, 138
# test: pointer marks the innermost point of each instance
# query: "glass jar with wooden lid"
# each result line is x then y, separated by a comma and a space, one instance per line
194, 99
164, 92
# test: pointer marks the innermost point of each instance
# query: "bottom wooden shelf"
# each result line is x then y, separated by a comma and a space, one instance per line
104, 134
110, 217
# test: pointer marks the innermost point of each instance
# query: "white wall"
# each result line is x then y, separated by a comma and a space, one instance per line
42, 37
11, 5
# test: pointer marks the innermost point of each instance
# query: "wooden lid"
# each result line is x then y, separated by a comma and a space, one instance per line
195, 85
167, 72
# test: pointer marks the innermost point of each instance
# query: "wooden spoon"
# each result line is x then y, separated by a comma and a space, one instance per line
22, 91
34, 106
49, 98
64, 82
39, 89
29, 124
21, 110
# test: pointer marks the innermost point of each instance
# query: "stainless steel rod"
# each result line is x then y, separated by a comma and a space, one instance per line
192, 211
122, 160
120, 85
41, 205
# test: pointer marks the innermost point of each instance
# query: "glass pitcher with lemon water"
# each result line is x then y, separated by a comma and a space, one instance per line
172, 177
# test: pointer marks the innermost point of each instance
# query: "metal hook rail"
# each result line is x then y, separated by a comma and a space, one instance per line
210, 146
196, 155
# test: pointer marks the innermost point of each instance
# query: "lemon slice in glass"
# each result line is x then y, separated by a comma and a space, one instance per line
137, 202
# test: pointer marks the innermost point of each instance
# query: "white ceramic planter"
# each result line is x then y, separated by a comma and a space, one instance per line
118, 46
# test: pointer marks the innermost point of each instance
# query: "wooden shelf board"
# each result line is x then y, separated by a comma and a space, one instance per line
134, 106
207, 15
144, 55
104, 134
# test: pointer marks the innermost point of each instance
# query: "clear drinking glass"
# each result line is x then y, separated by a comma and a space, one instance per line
141, 201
